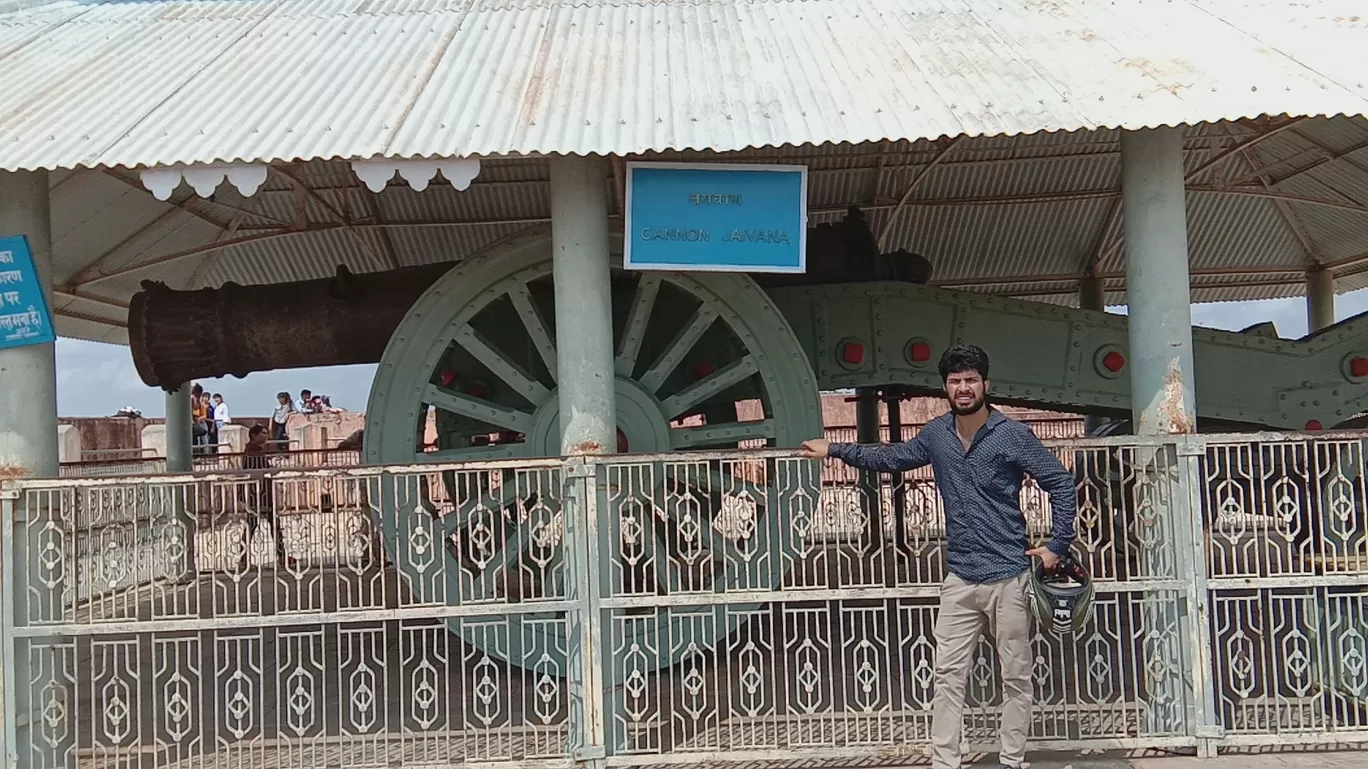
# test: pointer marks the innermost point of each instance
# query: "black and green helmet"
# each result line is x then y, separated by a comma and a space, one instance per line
1062, 597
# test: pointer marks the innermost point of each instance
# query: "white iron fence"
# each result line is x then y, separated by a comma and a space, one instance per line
641, 610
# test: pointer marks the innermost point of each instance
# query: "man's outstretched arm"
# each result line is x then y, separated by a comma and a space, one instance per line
882, 458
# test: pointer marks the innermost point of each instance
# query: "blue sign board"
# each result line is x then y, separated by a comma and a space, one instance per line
732, 218
24, 317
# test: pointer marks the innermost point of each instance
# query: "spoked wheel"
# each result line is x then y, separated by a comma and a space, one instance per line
479, 349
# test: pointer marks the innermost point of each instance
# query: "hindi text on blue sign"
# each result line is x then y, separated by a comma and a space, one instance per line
24, 318
734, 218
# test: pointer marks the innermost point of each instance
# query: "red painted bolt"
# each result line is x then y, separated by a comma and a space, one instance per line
621, 441
702, 369
448, 376
852, 353
477, 390
1113, 361
920, 352
1313, 425
1358, 367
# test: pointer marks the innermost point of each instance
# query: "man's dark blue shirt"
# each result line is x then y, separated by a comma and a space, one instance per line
984, 526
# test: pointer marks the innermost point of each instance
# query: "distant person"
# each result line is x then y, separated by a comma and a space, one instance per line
284, 408
221, 417
306, 402
211, 437
199, 417
261, 499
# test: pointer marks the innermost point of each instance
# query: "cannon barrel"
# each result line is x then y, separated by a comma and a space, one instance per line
178, 336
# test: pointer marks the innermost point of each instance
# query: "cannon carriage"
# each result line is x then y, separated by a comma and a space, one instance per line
703, 362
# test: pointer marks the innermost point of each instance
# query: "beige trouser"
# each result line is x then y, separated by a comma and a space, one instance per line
964, 610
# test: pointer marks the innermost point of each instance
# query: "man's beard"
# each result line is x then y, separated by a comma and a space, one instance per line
964, 411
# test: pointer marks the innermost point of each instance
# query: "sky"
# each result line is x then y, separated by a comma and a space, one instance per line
95, 379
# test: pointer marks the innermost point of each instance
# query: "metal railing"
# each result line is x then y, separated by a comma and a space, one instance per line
739, 606
289, 458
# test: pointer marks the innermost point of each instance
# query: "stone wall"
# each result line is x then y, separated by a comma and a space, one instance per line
113, 438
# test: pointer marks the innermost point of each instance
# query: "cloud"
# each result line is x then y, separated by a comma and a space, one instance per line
95, 379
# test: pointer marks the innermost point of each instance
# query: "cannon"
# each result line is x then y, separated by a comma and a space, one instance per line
476, 343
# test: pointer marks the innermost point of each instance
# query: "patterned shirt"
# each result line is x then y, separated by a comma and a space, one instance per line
984, 527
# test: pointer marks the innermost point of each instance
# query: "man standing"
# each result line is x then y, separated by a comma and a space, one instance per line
979, 458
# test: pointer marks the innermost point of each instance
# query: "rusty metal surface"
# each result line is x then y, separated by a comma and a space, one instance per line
178, 336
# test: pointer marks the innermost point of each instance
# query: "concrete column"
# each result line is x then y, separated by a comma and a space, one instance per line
867, 431
587, 398
584, 322
28, 397
29, 447
1153, 204
1163, 403
893, 400
178, 446
1320, 300
178, 438
1092, 297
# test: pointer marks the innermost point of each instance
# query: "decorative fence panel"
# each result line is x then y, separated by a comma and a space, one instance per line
641, 610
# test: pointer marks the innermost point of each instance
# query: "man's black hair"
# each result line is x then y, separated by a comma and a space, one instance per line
962, 358
255, 429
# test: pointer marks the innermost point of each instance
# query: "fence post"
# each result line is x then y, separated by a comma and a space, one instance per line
1192, 571
588, 730
7, 606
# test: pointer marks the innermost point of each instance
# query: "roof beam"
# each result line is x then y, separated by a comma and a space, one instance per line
182, 205
74, 293
1327, 157
93, 271
911, 188
1243, 147
345, 221
1312, 254
198, 250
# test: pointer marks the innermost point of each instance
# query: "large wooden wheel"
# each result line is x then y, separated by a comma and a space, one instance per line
479, 348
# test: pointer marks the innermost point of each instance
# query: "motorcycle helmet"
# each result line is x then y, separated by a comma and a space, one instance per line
1063, 596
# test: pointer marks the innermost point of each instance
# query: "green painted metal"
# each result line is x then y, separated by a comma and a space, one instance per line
479, 346
1055, 357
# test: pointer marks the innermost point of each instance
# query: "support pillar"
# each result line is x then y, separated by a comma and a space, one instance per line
584, 322
35, 589
1162, 381
893, 401
588, 420
1154, 207
179, 442
28, 396
1320, 299
178, 431
1091, 296
867, 431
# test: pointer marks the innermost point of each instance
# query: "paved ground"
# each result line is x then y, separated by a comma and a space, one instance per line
1253, 759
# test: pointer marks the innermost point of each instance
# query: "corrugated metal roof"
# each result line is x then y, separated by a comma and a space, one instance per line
158, 82
1019, 216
